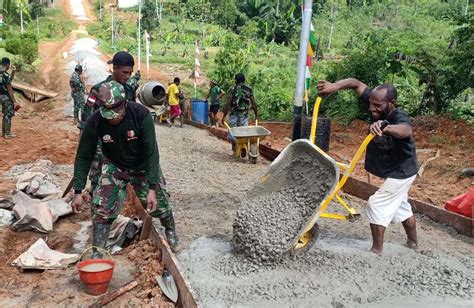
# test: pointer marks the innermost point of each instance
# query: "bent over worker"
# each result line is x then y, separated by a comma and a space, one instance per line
7, 99
122, 68
130, 155
391, 155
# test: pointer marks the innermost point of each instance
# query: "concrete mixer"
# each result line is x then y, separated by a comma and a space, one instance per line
152, 95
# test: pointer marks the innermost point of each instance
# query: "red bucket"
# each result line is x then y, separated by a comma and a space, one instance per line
96, 274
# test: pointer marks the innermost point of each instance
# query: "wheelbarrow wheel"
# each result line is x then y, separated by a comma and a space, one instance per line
253, 160
308, 240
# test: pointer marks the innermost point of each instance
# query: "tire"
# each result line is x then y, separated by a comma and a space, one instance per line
323, 131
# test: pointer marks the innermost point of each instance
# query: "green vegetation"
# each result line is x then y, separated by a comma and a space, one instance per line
423, 47
39, 23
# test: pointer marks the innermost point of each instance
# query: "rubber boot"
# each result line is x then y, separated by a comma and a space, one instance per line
8, 133
167, 221
100, 234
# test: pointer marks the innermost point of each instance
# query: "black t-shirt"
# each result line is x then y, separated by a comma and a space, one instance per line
390, 157
131, 144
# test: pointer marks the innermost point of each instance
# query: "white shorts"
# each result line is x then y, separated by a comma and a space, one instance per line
390, 202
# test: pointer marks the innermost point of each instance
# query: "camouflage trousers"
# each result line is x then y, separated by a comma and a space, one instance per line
78, 99
110, 194
8, 113
96, 167
7, 108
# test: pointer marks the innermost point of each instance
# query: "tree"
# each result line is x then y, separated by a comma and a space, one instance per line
230, 60
149, 20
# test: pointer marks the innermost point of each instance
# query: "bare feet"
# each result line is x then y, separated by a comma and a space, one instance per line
412, 245
378, 252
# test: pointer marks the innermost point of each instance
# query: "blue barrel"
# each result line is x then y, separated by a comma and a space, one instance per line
200, 109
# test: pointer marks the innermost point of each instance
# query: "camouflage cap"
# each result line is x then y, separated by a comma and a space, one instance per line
111, 99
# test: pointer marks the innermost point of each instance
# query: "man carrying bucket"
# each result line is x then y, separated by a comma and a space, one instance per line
391, 155
240, 99
130, 155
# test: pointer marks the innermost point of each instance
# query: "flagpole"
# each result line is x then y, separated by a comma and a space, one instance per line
147, 47
302, 57
139, 33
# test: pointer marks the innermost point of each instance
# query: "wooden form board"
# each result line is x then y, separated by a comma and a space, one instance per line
186, 298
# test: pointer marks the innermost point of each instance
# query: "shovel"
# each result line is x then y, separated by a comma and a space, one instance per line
167, 285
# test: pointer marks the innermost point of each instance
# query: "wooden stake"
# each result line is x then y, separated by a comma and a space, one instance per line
109, 297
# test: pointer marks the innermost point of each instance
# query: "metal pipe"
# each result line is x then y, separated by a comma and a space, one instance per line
300, 80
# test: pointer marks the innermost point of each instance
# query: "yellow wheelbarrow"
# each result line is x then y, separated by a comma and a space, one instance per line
247, 140
285, 163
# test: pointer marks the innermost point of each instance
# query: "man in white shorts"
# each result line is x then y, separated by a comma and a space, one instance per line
391, 155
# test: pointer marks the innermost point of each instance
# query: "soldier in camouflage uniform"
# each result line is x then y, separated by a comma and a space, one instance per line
7, 99
77, 91
123, 64
130, 151
240, 100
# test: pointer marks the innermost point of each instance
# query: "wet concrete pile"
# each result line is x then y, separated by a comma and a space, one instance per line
267, 226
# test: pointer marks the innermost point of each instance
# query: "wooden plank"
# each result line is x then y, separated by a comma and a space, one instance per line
17, 85
186, 298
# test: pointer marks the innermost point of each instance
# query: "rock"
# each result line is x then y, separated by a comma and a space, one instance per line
6, 217
5, 203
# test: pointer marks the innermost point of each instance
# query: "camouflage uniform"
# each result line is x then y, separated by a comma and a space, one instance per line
130, 156
241, 95
130, 89
89, 108
77, 93
110, 194
7, 104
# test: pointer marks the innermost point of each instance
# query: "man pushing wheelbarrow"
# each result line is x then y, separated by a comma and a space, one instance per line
240, 99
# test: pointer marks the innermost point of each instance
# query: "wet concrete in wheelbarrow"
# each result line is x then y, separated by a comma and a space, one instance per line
207, 185
270, 218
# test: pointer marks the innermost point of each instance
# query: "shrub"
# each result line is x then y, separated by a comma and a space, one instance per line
25, 46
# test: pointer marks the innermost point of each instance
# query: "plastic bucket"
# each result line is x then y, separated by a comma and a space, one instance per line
152, 94
199, 111
96, 274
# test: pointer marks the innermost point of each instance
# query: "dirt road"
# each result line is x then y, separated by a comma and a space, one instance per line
207, 184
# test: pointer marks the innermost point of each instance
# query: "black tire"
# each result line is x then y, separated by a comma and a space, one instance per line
323, 131
253, 160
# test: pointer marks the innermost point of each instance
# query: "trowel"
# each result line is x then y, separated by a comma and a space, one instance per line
167, 285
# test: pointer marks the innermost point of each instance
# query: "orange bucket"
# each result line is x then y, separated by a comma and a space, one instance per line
96, 274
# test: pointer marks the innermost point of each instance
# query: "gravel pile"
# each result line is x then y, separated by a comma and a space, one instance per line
266, 227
